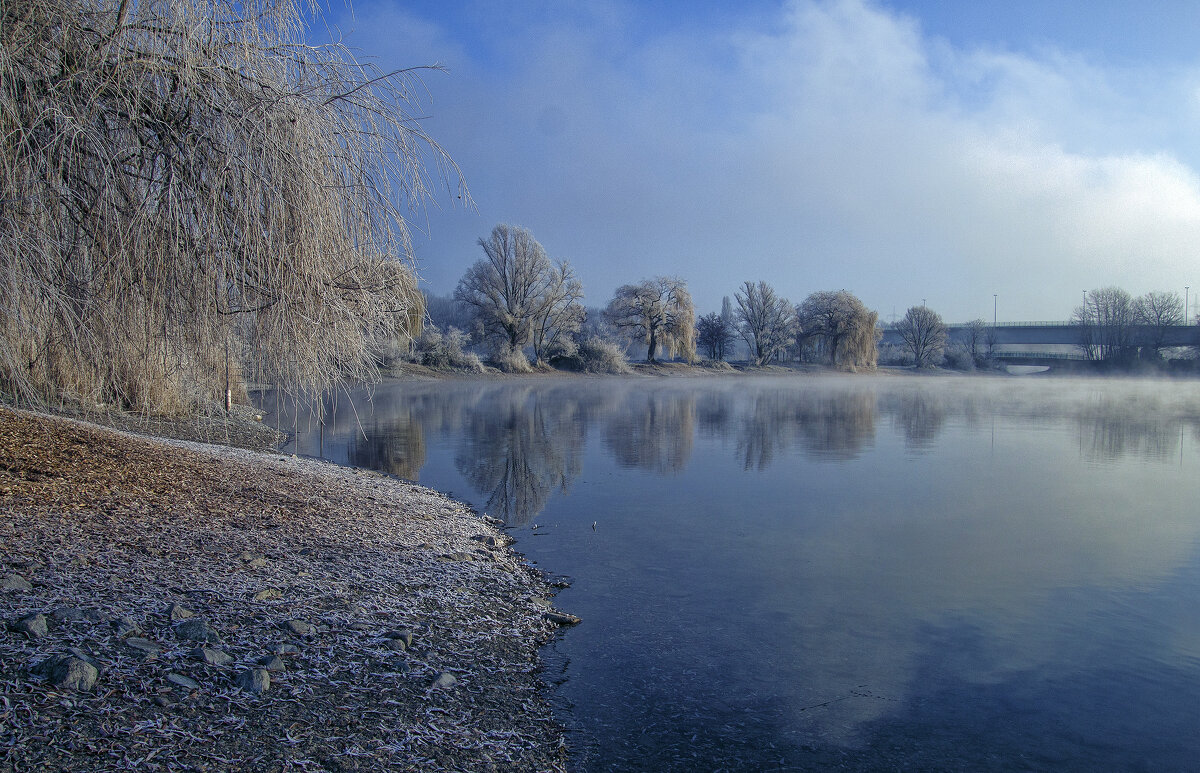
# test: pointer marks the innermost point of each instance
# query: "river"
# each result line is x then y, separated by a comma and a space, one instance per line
802, 572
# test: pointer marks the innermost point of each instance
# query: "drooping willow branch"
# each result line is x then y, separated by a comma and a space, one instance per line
181, 175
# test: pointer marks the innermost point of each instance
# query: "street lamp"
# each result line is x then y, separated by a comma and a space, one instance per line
995, 303
1185, 303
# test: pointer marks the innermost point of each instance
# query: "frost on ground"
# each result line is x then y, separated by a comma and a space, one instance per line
175, 606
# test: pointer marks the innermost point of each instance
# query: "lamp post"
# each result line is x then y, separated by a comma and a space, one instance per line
1185, 303
995, 303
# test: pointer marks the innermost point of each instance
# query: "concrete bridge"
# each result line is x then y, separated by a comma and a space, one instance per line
1060, 334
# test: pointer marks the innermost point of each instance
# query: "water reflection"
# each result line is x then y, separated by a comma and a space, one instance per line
516, 450
520, 442
919, 415
396, 447
837, 425
714, 412
1108, 438
652, 430
823, 425
805, 572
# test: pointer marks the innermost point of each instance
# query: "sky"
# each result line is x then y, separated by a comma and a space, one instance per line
974, 156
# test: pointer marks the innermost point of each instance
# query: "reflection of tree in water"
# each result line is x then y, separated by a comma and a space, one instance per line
517, 449
652, 430
714, 412
767, 428
1108, 437
837, 425
921, 417
396, 447
825, 425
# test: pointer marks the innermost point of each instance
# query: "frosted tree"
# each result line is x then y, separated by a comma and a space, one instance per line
766, 321
190, 190
924, 334
658, 311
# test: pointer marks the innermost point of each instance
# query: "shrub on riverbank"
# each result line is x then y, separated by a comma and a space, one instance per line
594, 355
435, 349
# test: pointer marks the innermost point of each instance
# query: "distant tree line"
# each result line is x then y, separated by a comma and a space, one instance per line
524, 311
1107, 319
1113, 327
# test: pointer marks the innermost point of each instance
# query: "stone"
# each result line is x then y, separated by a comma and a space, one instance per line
444, 681
491, 541
143, 648
285, 649
297, 627
212, 657
185, 682
401, 634
254, 680
69, 615
85, 657
268, 594
562, 618
177, 612
68, 672
15, 582
257, 563
195, 629
125, 626
34, 626
396, 645
272, 663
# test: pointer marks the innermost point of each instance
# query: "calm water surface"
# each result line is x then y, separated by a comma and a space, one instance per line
804, 572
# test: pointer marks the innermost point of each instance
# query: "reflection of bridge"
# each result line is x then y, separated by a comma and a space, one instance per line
1056, 360
1064, 334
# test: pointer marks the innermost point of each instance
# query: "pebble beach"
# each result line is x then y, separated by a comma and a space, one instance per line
172, 605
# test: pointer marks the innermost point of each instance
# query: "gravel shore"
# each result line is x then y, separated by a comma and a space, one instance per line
167, 605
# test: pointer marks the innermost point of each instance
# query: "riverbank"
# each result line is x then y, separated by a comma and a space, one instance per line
176, 606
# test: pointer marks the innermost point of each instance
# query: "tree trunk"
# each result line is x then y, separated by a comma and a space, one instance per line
652, 347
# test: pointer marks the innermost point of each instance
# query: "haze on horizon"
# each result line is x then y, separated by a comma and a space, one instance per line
900, 150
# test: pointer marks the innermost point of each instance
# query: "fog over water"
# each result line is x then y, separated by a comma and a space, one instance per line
788, 572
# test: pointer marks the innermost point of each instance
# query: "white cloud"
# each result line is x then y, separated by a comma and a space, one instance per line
840, 148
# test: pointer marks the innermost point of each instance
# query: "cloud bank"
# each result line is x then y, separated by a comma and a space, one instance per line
823, 145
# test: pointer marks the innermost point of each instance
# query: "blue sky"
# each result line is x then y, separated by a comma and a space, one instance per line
902, 150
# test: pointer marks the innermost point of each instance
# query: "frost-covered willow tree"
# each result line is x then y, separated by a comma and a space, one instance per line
659, 311
845, 328
189, 191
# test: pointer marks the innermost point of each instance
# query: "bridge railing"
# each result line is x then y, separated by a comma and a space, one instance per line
1052, 323
1037, 356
